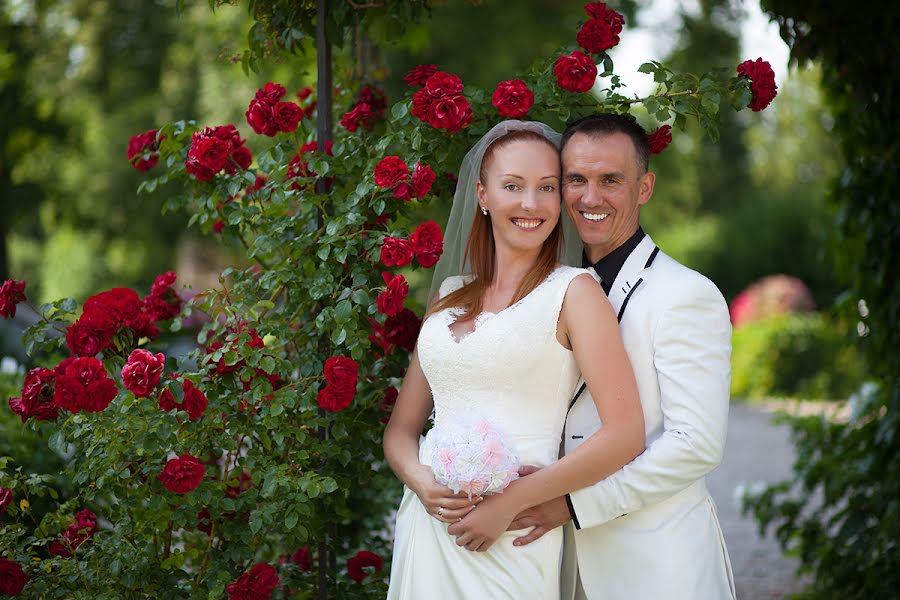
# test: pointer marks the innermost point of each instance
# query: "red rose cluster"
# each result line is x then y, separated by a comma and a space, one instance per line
575, 72
268, 114
341, 373
78, 532
418, 76
193, 401
298, 168
257, 584
426, 244
660, 139
601, 31
163, 303
392, 173
371, 106
401, 330
143, 150
512, 99
142, 372
104, 316
215, 149
441, 104
361, 560
12, 578
37, 396
302, 559
12, 292
762, 82
390, 301
182, 474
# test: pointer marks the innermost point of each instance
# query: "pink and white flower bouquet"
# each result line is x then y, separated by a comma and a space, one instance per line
472, 455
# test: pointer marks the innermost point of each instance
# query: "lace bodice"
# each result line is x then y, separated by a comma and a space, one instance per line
510, 369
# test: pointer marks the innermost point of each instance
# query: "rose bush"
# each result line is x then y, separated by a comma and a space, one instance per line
252, 467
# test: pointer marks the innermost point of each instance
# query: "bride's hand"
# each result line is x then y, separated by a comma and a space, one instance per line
480, 529
439, 500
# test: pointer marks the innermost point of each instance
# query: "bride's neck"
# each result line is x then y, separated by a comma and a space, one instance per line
511, 268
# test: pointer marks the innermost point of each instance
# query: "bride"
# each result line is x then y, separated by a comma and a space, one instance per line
506, 341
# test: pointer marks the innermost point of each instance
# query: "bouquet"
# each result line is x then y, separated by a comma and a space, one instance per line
470, 454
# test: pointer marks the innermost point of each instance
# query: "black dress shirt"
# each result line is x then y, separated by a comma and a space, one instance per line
609, 266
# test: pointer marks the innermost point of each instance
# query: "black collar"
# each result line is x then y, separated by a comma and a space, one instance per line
609, 266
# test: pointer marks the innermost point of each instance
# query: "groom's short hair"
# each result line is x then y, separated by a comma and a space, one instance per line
606, 124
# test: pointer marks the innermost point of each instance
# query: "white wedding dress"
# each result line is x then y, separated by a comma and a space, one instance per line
511, 370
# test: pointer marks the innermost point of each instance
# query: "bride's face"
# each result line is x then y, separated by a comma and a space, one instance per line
520, 190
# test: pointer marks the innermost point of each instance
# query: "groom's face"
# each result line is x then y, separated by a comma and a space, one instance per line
603, 189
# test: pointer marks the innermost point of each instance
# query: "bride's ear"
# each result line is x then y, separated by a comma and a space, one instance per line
480, 193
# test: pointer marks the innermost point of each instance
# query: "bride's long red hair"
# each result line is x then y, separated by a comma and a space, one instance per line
481, 247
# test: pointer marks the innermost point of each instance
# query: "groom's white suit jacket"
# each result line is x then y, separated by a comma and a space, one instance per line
650, 531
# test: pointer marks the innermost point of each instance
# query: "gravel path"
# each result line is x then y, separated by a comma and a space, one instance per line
756, 450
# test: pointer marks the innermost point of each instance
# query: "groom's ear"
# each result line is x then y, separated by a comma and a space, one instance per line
645, 187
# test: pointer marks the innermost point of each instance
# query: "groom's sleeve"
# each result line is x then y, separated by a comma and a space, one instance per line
691, 352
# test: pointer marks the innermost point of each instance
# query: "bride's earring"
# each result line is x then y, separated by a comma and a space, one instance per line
484, 211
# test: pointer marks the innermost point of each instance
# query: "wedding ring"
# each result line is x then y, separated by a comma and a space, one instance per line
440, 511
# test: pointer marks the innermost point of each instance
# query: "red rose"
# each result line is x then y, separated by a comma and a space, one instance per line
218, 226
402, 329
37, 396
575, 72
207, 156
11, 293
342, 372
12, 578
143, 150
6, 496
418, 76
334, 399
287, 116
422, 180
388, 402
396, 252
204, 521
116, 308
512, 98
762, 82
193, 401
310, 107
81, 529
377, 336
163, 303
602, 31
390, 301
257, 584
298, 167
361, 115
390, 172
262, 113
361, 560
82, 384
182, 474
441, 103
86, 340
242, 156
660, 139
141, 373
375, 98
302, 559
428, 243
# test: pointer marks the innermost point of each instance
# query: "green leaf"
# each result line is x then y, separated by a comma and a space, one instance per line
343, 311
400, 110
647, 67
291, 520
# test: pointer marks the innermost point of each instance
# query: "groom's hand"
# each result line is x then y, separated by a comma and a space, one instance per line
543, 518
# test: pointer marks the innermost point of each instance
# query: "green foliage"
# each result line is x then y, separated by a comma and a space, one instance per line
841, 513
794, 355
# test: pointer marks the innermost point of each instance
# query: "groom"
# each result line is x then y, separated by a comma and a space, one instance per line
650, 530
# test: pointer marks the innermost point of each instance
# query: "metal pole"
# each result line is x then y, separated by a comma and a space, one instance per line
324, 89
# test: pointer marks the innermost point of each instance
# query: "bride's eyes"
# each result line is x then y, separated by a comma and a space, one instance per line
548, 188
510, 187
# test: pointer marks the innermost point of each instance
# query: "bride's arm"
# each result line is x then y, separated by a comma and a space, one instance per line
589, 324
401, 448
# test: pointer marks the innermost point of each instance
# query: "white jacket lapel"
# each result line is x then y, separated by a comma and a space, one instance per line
631, 272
